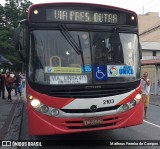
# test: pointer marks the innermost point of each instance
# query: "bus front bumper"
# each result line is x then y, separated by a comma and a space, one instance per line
40, 124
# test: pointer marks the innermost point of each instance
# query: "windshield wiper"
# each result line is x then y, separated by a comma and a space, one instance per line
72, 42
69, 38
81, 52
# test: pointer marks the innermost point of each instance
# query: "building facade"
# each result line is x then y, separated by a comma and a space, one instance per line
149, 31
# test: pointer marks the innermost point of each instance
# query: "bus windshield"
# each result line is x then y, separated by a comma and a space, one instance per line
104, 59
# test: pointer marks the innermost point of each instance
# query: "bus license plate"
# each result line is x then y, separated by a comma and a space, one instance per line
92, 121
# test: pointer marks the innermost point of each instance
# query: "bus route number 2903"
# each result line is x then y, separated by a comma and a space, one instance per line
109, 101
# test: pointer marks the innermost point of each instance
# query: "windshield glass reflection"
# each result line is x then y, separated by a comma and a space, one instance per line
54, 60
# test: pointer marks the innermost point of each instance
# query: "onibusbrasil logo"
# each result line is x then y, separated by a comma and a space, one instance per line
49, 69
113, 71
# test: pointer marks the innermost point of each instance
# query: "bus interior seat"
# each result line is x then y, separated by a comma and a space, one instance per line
55, 61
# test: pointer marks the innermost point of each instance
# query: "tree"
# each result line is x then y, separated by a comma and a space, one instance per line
1, 16
10, 15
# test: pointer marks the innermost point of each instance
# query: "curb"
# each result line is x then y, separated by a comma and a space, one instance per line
13, 133
155, 104
14, 129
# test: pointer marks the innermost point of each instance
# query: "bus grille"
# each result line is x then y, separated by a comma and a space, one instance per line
80, 125
88, 110
82, 93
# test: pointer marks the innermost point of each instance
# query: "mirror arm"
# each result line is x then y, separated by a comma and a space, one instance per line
23, 22
22, 57
140, 50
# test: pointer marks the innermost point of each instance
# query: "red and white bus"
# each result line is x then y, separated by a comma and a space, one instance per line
83, 68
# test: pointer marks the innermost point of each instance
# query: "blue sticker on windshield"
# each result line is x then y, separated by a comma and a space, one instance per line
87, 68
100, 73
49, 69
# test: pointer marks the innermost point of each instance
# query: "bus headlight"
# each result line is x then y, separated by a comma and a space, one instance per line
54, 112
130, 104
35, 103
125, 107
133, 103
43, 109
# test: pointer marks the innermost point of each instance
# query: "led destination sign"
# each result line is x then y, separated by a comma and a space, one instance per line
81, 16
78, 15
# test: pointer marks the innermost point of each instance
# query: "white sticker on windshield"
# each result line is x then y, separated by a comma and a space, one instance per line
121, 71
68, 79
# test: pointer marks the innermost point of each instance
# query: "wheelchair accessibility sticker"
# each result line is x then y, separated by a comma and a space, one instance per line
100, 73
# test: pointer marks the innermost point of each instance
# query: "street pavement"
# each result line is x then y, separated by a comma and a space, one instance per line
11, 116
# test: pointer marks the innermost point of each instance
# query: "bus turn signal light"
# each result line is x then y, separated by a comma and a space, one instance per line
138, 96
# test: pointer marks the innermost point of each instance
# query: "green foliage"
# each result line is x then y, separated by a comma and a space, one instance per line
10, 14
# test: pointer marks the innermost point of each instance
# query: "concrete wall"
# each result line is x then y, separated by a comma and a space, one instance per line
151, 75
146, 22
151, 71
147, 53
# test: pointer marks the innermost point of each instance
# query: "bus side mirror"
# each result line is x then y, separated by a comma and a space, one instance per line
16, 38
20, 42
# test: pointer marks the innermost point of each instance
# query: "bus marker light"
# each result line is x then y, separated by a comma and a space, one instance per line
132, 18
30, 97
35, 103
35, 11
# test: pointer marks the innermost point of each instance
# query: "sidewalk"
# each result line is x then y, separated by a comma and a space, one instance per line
10, 117
155, 100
